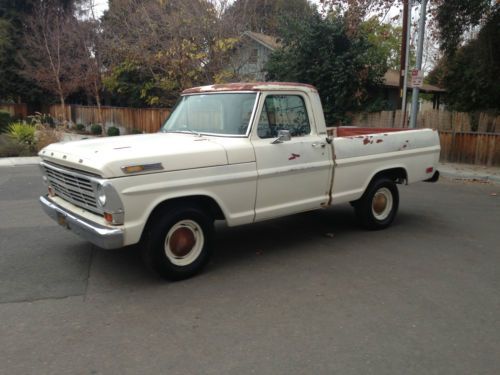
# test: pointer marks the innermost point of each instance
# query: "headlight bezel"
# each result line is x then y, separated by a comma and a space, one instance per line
109, 202
101, 195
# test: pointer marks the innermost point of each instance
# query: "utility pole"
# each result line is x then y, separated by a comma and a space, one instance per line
407, 62
403, 51
420, 50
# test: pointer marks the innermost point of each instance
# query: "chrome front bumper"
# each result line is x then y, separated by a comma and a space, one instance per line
100, 235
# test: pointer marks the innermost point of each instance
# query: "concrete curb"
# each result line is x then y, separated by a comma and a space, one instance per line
469, 173
470, 177
17, 161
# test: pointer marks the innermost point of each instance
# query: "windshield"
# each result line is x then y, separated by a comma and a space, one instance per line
221, 114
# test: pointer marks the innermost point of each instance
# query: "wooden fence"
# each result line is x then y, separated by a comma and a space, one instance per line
458, 143
15, 110
470, 148
435, 119
150, 119
147, 120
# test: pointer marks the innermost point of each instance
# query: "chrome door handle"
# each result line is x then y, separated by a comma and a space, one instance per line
319, 145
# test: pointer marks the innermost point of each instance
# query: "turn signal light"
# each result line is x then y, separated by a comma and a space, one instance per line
429, 170
133, 169
52, 193
108, 217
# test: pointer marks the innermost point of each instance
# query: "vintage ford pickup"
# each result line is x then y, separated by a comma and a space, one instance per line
235, 152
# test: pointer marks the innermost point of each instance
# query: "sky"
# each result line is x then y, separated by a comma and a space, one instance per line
100, 6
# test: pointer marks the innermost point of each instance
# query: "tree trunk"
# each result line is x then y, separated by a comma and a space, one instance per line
63, 106
99, 109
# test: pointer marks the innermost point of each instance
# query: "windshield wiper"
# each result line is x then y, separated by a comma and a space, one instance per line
191, 131
185, 129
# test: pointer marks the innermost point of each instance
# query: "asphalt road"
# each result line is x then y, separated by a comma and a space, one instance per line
307, 294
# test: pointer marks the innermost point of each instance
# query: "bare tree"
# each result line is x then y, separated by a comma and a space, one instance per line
55, 56
89, 34
357, 11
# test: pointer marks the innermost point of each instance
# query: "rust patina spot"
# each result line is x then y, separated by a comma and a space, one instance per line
379, 141
247, 86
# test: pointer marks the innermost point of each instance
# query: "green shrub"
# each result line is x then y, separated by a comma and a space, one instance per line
96, 129
23, 133
136, 131
113, 131
5, 120
80, 127
9, 147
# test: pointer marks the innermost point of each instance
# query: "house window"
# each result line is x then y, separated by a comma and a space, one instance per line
283, 112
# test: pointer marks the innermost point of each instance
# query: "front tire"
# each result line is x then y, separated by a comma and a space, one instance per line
178, 242
378, 206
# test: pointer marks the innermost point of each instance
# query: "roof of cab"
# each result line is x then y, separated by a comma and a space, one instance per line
251, 86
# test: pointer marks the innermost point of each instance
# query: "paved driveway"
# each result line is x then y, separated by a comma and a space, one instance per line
307, 294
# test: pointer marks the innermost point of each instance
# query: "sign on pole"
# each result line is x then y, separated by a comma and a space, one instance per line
417, 78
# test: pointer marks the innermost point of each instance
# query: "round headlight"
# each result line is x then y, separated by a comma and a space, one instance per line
101, 195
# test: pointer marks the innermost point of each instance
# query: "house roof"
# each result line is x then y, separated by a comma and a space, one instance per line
391, 79
267, 41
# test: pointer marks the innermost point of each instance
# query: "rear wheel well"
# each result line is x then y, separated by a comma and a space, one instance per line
202, 202
398, 175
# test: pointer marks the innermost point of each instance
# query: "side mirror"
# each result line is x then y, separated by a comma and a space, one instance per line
283, 136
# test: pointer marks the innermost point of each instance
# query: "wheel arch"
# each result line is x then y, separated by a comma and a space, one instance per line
397, 174
204, 202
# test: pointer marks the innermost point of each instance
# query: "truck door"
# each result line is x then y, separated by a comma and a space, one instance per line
293, 175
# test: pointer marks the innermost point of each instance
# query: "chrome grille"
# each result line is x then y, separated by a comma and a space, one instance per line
72, 186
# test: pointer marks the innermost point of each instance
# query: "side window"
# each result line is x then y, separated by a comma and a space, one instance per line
283, 112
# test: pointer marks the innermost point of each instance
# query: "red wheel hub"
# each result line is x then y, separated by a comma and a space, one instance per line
181, 242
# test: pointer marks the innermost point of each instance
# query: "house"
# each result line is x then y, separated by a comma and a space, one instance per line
391, 90
253, 51
251, 55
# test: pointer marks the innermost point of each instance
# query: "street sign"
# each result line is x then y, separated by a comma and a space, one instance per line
417, 78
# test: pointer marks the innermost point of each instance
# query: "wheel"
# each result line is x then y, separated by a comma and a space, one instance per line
378, 206
178, 243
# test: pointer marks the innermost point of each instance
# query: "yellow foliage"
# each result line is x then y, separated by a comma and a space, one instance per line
223, 76
225, 44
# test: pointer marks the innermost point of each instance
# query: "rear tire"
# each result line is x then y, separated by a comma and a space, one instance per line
378, 206
178, 243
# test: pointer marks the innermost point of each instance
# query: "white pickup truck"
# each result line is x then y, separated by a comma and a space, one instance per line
242, 153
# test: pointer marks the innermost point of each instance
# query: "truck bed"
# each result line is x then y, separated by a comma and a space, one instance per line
360, 153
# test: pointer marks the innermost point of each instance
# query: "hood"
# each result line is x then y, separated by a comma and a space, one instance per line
106, 156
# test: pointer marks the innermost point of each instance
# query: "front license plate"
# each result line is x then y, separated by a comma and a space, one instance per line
61, 219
